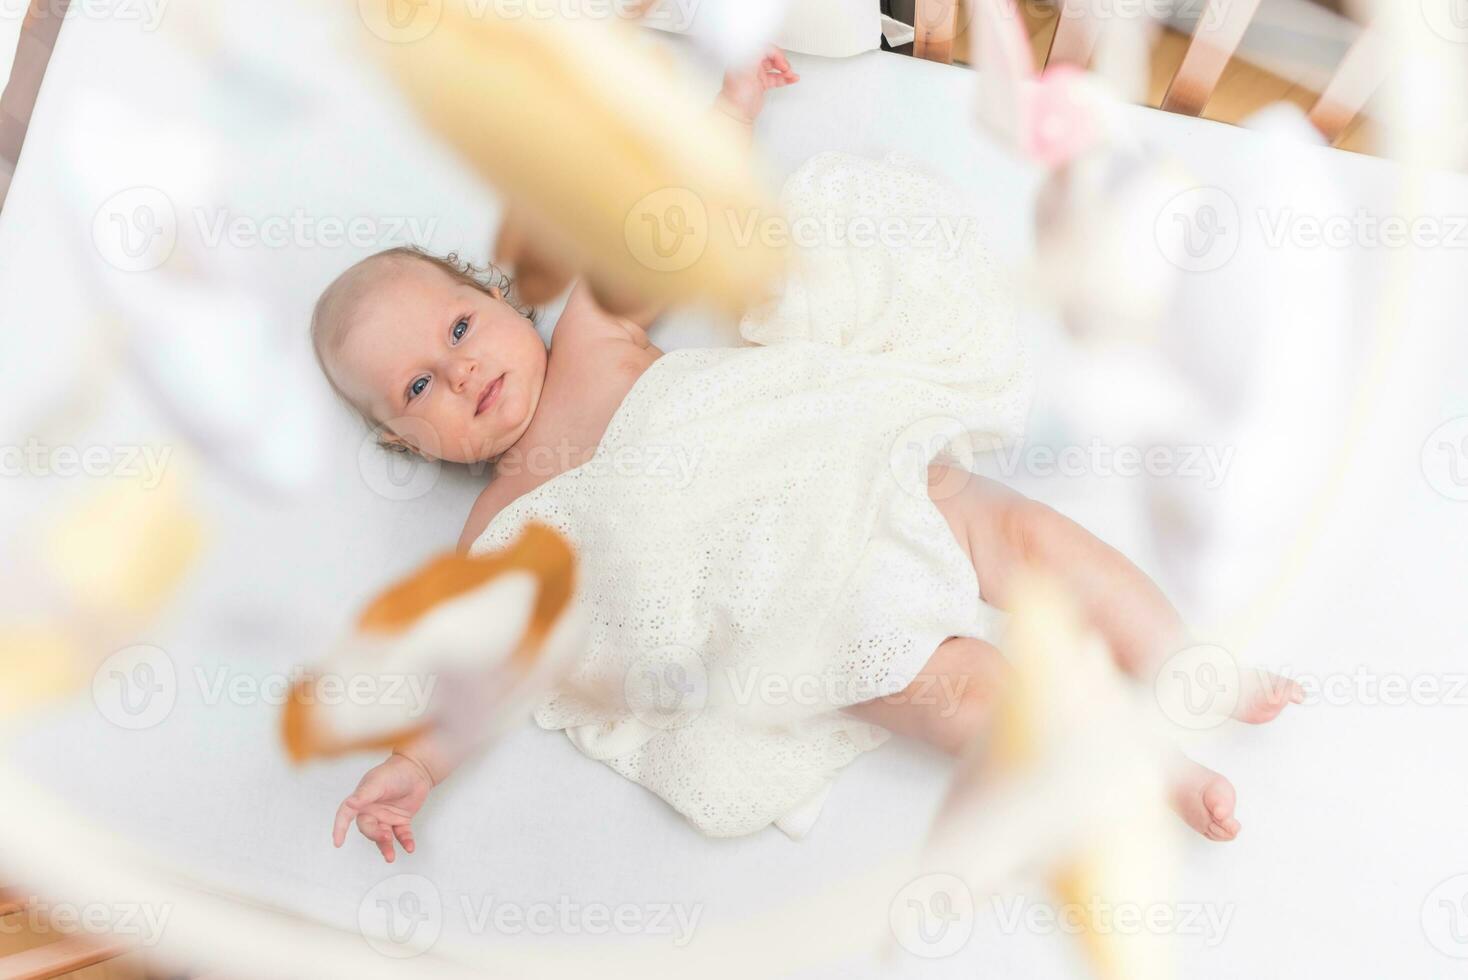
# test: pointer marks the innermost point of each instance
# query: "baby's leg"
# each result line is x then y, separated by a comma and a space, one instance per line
1001, 532
951, 701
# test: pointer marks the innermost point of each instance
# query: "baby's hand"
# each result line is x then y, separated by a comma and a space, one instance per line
743, 95
384, 803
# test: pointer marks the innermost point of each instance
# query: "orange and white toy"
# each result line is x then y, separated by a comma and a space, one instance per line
463, 646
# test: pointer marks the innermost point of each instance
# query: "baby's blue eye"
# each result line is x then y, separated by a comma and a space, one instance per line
416, 388
460, 328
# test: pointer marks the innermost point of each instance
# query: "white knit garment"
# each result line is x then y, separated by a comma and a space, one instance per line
757, 547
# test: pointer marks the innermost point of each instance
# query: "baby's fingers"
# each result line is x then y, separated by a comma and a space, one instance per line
777, 69
368, 791
404, 834
378, 833
345, 814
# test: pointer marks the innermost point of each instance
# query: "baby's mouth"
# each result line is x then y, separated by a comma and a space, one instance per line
490, 393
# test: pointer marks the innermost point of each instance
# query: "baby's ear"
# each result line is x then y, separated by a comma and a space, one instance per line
392, 442
494, 291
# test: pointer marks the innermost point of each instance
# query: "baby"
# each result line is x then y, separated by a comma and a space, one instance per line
446, 363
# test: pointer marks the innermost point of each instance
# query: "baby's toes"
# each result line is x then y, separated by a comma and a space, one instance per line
1265, 695
1219, 800
1222, 832
1219, 797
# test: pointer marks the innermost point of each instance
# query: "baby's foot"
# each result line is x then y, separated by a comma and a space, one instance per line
1262, 696
1204, 799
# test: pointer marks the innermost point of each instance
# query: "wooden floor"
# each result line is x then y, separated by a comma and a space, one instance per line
1243, 90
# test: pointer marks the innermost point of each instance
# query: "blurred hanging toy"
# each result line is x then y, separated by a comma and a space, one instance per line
462, 648
241, 392
610, 165
1122, 232
1095, 263
1069, 783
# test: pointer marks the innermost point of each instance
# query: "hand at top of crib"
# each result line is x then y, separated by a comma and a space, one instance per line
743, 94
384, 804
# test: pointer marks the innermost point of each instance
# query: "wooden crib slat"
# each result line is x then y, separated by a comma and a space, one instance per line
934, 23
60, 958
38, 34
1076, 31
1214, 42
1360, 74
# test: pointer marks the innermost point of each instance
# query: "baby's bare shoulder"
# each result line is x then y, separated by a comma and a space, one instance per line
585, 327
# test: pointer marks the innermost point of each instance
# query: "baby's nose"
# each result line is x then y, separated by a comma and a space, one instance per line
463, 372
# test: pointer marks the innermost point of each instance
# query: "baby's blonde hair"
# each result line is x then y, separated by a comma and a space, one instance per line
331, 316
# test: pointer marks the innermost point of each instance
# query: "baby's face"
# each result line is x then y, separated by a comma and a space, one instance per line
452, 371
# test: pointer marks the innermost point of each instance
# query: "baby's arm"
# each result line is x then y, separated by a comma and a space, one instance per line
541, 273
741, 99
391, 794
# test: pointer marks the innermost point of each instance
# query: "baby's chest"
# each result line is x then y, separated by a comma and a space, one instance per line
575, 410
583, 405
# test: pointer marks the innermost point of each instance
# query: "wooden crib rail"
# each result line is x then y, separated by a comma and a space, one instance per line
1215, 42
32, 950
934, 24
1076, 32
1360, 74
38, 34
